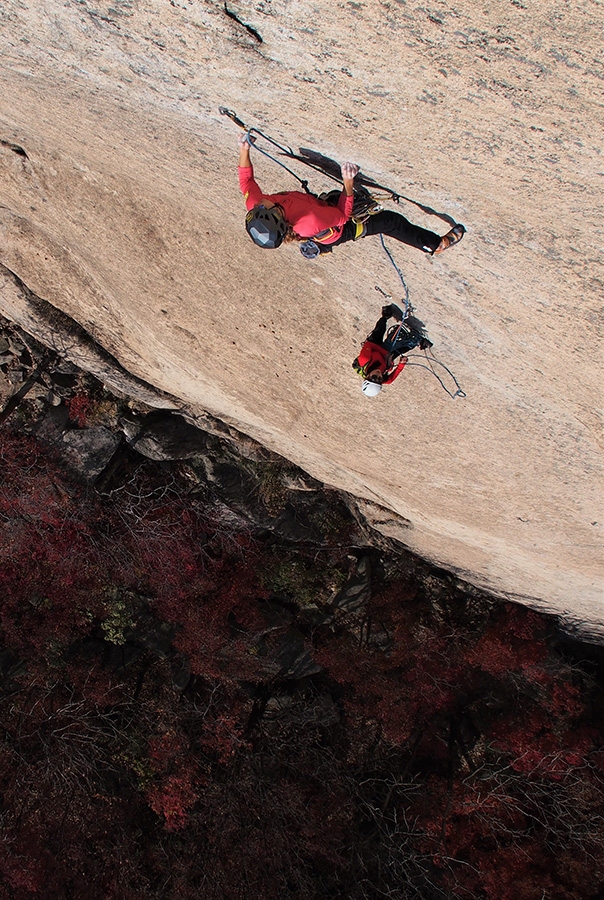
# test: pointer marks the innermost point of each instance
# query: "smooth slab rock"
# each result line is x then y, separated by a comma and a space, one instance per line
120, 208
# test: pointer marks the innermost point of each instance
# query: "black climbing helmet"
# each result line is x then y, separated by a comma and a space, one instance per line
266, 227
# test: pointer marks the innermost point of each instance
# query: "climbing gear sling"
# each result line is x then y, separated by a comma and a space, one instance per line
431, 360
315, 160
286, 151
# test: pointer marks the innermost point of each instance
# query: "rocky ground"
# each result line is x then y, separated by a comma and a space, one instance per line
101, 440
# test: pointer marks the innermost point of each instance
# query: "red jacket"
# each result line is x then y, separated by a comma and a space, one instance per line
374, 357
307, 215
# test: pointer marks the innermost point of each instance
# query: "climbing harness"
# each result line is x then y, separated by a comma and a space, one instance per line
364, 205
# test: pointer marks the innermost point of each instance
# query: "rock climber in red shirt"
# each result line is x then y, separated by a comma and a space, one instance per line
377, 361
273, 219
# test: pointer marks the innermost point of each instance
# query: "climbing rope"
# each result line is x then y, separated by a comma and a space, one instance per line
252, 143
431, 360
408, 309
319, 163
286, 151
375, 192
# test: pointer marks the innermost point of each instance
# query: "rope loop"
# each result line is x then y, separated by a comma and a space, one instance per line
430, 367
429, 359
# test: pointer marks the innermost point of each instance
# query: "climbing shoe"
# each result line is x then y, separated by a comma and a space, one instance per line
451, 237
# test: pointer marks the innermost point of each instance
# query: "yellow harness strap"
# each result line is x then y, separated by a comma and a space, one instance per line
322, 235
359, 229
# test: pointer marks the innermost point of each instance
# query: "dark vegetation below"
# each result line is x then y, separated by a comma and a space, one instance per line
214, 685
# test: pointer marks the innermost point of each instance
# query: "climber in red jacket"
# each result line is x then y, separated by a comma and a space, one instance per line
273, 219
381, 358
292, 215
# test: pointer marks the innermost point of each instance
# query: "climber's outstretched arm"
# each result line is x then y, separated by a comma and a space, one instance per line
349, 170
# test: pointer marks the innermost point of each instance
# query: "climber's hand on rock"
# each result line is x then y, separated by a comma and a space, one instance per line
349, 170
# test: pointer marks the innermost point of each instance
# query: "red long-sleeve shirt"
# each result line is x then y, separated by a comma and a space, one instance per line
308, 216
374, 357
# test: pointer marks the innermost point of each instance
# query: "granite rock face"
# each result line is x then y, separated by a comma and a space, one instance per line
119, 209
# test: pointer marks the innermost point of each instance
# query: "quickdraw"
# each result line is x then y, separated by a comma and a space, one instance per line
286, 151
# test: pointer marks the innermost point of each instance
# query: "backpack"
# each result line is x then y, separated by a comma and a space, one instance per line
401, 339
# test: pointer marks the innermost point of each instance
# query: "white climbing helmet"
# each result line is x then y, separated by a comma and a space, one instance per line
370, 388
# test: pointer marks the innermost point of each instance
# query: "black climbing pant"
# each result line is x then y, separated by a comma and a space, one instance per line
377, 335
396, 226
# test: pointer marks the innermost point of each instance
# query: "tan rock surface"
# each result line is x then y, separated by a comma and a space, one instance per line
126, 215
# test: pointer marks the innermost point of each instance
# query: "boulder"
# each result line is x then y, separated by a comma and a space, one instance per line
89, 450
163, 436
356, 593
